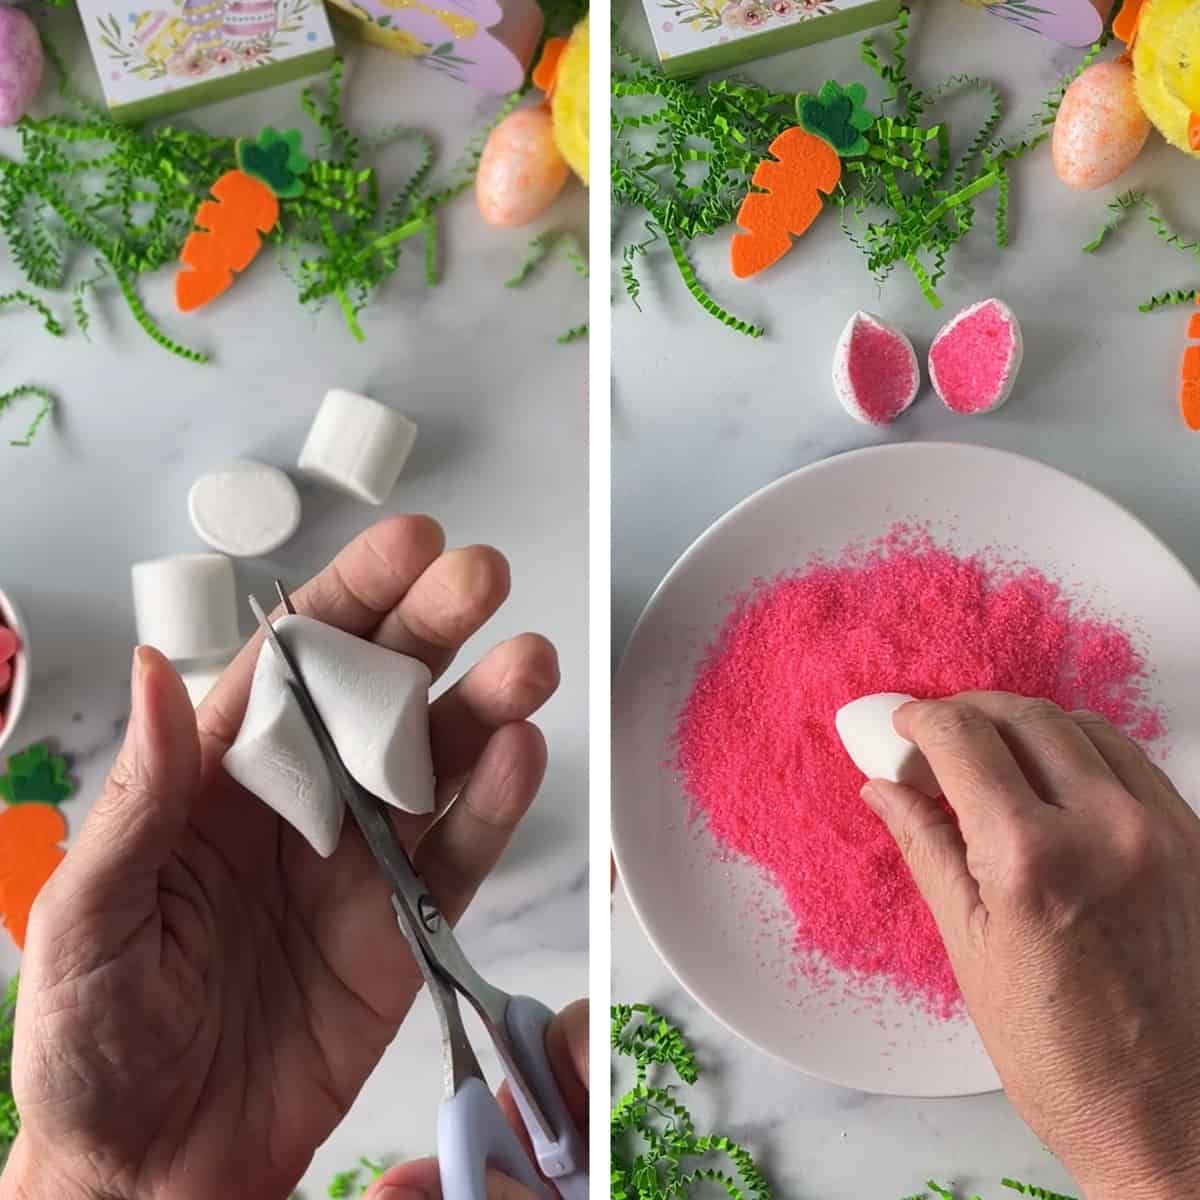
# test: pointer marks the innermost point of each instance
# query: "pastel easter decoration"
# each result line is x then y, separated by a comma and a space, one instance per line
869, 735
357, 446
375, 704
1100, 128
244, 205
1076, 23
974, 360
22, 64
186, 606
521, 170
245, 509
177, 54
876, 375
805, 165
487, 44
1166, 69
568, 95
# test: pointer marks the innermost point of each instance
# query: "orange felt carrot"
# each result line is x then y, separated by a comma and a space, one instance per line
1194, 131
244, 205
806, 162
1189, 392
30, 837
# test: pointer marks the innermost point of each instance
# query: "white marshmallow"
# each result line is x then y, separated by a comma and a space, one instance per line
986, 394
244, 509
858, 406
877, 750
186, 607
201, 680
358, 446
375, 704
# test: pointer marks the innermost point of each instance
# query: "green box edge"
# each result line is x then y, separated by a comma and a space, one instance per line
209, 92
776, 41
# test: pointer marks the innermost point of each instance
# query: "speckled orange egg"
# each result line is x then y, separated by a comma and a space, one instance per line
1100, 127
521, 170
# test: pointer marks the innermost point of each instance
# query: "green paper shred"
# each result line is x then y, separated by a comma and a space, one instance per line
656, 1151
127, 194
36, 776
575, 334
1037, 1193
1124, 206
45, 409
684, 155
10, 1120
349, 1183
52, 325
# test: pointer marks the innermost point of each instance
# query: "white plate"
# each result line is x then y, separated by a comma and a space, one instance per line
698, 912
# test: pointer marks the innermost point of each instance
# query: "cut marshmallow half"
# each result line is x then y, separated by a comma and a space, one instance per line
375, 704
876, 749
975, 358
876, 375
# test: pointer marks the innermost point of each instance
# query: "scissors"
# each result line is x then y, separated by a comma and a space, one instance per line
472, 1132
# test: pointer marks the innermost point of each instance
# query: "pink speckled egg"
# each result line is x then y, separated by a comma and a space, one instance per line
21, 64
521, 170
1100, 128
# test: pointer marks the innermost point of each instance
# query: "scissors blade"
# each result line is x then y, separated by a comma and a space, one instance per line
438, 953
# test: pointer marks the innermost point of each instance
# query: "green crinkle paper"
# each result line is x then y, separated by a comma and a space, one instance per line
684, 155
124, 196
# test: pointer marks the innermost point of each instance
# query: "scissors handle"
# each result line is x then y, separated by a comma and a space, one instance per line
564, 1160
473, 1135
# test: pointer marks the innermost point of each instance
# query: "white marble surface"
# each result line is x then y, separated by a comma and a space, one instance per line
703, 417
501, 459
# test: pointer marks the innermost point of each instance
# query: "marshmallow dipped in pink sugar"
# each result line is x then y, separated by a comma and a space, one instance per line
975, 358
876, 375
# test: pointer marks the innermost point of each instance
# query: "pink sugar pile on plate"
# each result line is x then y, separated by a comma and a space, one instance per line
758, 753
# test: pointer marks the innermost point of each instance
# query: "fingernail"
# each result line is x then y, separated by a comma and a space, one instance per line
872, 798
395, 1192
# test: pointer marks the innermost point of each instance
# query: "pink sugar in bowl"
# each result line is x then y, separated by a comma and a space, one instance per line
14, 668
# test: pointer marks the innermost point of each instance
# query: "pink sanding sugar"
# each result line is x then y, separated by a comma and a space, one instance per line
973, 360
759, 755
881, 372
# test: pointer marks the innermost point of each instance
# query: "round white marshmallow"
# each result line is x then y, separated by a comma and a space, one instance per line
186, 606
244, 509
358, 446
843, 384
877, 750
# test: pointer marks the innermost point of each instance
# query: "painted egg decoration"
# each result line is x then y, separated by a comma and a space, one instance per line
1100, 129
521, 170
22, 64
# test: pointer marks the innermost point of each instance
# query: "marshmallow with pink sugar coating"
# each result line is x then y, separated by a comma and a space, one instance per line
876, 375
975, 357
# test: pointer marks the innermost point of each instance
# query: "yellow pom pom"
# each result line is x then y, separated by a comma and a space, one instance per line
569, 104
1166, 68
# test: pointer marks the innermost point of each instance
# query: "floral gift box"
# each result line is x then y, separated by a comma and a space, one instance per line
695, 36
157, 61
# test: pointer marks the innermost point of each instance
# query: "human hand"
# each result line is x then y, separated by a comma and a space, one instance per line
567, 1049
1068, 896
202, 997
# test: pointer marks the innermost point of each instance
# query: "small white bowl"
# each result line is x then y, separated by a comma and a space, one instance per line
12, 703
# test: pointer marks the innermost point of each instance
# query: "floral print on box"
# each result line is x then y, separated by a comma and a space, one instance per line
199, 38
703, 16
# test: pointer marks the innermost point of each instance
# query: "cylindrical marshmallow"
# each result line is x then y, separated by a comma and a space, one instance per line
358, 446
186, 606
244, 509
200, 681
